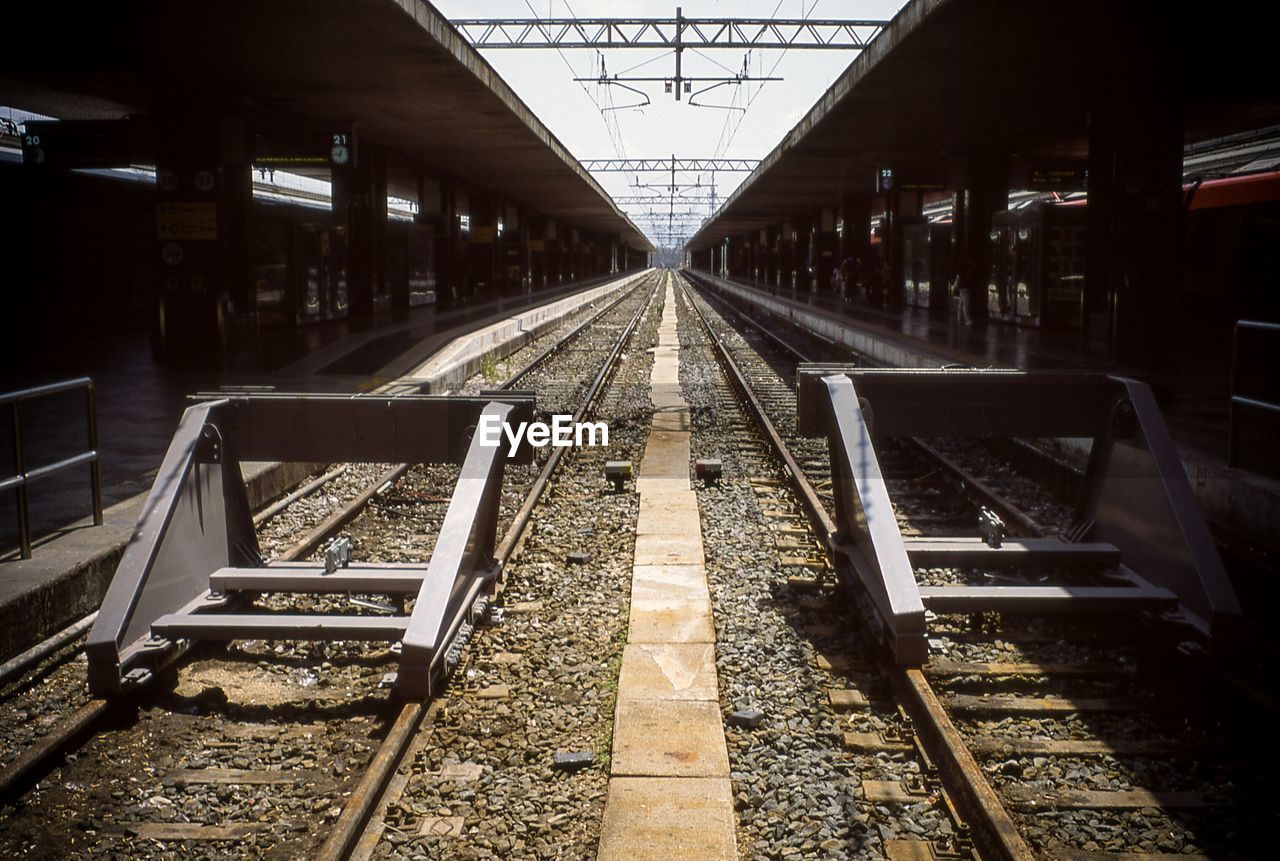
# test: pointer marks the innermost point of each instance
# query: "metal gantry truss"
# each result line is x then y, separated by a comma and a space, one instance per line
676, 34
671, 192
637, 165
671, 33
664, 199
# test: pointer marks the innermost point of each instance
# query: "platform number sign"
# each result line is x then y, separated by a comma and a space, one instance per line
204, 181
884, 180
32, 151
340, 154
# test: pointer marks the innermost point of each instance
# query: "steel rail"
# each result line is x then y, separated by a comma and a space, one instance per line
560, 344
305, 490
23, 662
96, 709
507, 546
809, 499
982, 806
344, 515
995, 829
1027, 525
359, 809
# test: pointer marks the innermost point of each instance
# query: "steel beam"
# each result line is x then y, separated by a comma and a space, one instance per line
965, 402
278, 626
1012, 553
867, 528
1136, 495
653, 165
1045, 599
376, 579
681, 32
463, 555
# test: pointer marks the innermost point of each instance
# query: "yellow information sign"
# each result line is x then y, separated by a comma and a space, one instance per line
194, 220
536, 245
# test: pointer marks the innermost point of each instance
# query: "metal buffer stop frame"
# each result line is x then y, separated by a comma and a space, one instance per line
194, 556
1136, 517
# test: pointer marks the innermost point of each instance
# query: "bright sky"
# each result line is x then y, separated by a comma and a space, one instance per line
543, 79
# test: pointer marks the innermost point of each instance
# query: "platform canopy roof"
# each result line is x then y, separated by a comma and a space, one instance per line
950, 79
396, 69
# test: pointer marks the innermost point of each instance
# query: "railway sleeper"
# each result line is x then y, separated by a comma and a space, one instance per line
1030, 799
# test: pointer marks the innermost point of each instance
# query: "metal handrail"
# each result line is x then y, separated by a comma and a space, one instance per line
1240, 402
22, 476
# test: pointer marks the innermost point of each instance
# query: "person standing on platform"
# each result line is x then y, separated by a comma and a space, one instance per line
960, 291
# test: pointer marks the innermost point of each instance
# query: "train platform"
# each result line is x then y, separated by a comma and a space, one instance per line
1242, 503
139, 403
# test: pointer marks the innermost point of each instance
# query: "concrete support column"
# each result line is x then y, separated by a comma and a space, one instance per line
1134, 264
802, 258
482, 243
787, 257
825, 248
537, 245
1133, 275
526, 248
855, 236
451, 246
360, 205
985, 192
771, 255
204, 194
904, 208
554, 252
430, 217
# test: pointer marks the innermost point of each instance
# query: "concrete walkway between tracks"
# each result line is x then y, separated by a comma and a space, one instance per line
669, 791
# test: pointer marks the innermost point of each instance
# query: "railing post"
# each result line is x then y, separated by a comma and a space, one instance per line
24, 524
1233, 409
95, 465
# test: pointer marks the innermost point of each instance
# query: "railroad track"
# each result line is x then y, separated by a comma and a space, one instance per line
338, 751
1041, 737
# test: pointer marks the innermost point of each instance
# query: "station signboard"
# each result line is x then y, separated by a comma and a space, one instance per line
1048, 175
909, 178
68, 144
187, 220
300, 147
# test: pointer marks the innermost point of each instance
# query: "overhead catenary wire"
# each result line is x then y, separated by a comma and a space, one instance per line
620, 151
741, 117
